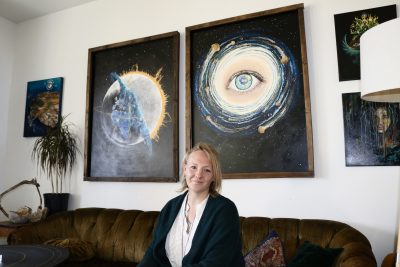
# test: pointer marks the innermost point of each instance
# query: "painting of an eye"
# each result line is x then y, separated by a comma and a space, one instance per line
246, 85
244, 81
247, 94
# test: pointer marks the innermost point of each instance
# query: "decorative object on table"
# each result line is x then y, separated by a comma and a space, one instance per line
43, 106
132, 111
247, 93
55, 154
380, 79
39, 214
22, 215
25, 214
371, 132
349, 27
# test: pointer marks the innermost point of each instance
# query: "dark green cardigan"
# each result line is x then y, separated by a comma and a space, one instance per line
216, 242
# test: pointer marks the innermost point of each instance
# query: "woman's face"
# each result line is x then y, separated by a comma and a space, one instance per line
382, 120
198, 172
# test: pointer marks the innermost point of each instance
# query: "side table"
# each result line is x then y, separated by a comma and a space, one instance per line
33, 255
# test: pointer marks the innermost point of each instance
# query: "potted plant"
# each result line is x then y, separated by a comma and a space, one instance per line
55, 154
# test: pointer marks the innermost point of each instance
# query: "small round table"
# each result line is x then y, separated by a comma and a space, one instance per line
32, 255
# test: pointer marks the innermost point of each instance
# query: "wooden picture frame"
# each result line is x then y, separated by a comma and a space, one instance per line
132, 111
247, 93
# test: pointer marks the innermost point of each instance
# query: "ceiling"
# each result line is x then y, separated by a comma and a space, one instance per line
21, 10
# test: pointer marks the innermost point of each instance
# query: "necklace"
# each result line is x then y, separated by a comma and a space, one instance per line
189, 224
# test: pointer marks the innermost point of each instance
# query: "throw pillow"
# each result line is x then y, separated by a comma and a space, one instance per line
78, 250
311, 255
269, 253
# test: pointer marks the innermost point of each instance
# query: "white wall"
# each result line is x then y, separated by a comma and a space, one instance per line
7, 41
57, 45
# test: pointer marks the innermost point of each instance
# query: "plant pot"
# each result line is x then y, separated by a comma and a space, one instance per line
56, 202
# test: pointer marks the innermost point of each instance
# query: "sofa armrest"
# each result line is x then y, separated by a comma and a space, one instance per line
55, 226
356, 254
357, 249
23, 235
389, 260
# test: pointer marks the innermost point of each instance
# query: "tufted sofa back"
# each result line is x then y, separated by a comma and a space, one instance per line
326, 233
124, 235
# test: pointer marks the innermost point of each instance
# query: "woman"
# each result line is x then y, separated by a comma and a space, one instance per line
199, 227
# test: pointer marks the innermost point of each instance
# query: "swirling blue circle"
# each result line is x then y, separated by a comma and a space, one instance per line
254, 119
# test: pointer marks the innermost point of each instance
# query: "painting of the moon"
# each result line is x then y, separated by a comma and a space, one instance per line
133, 109
132, 118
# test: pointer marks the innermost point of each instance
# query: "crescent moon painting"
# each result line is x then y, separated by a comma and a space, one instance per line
249, 93
132, 120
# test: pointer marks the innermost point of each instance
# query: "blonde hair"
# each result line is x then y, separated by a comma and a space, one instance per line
212, 155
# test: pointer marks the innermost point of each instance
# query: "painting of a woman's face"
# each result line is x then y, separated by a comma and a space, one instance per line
382, 120
372, 132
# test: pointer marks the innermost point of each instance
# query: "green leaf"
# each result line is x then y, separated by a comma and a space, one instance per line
55, 153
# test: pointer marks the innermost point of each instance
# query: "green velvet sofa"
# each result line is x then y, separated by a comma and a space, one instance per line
120, 237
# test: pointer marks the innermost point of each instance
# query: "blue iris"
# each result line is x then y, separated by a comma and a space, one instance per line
243, 81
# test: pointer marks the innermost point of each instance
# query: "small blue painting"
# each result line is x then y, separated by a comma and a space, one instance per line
43, 106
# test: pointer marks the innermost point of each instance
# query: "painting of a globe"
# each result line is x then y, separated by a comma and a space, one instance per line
133, 109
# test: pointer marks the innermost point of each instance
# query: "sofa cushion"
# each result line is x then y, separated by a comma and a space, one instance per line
78, 250
311, 255
268, 253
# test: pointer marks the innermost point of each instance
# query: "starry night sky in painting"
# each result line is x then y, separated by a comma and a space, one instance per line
149, 55
283, 148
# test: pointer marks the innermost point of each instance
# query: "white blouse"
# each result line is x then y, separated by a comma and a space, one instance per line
178, 241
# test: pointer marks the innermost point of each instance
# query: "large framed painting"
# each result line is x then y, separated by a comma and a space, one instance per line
132, 111
43, 106
247, 93
371, 132
349, 27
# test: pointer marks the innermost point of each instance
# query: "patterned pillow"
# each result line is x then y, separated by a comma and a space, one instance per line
269, 253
